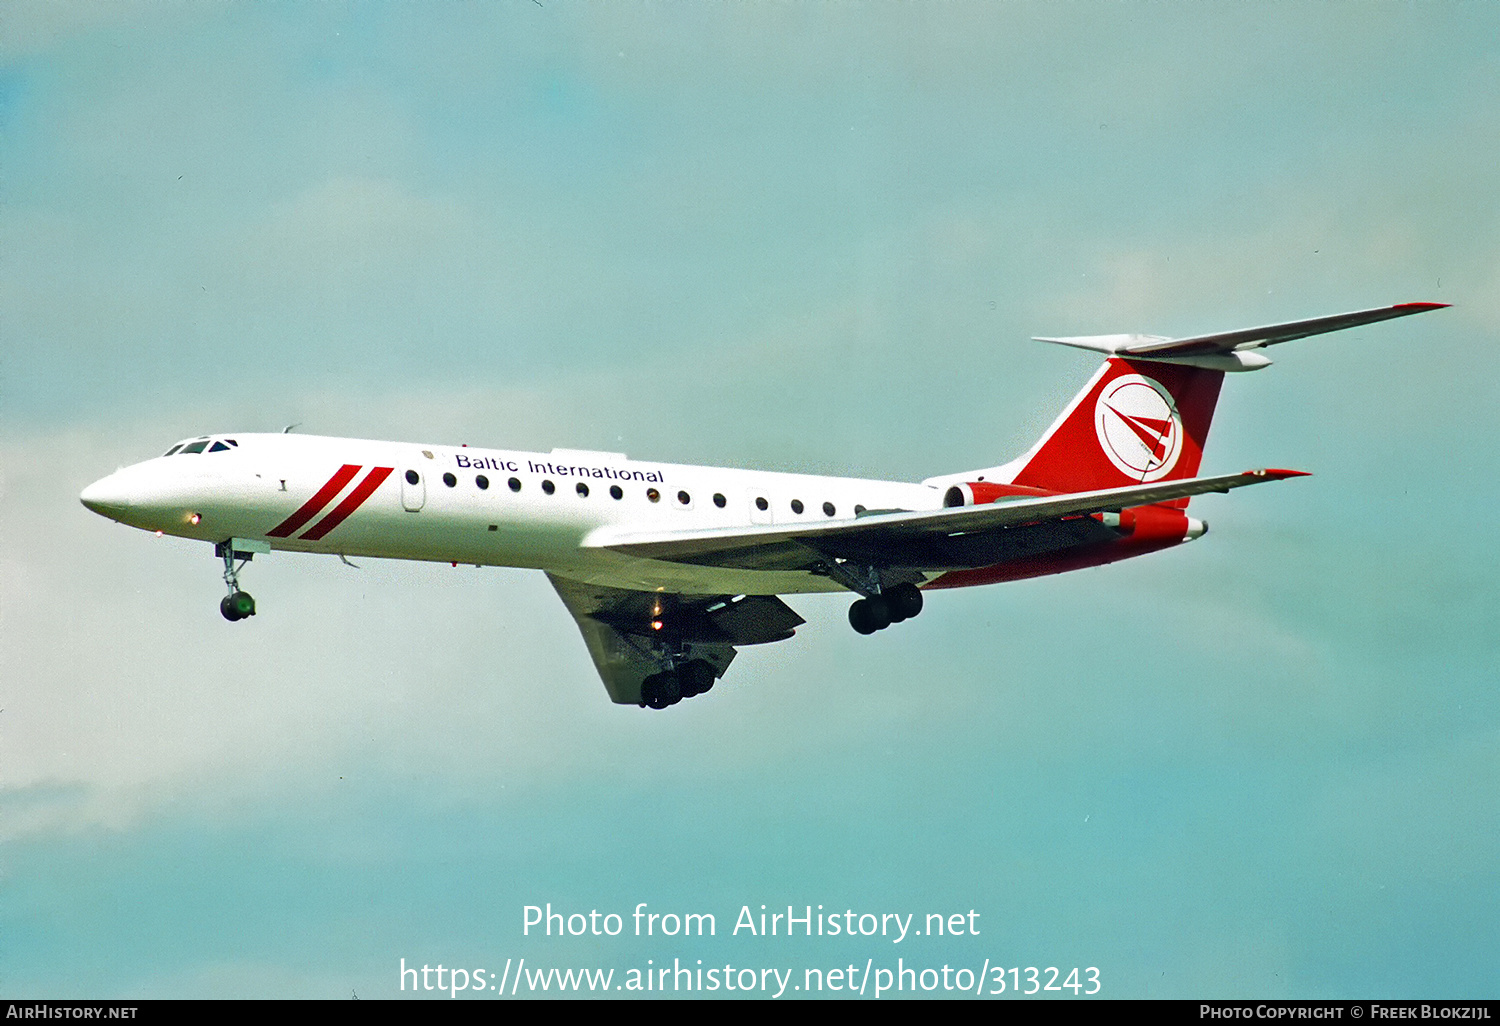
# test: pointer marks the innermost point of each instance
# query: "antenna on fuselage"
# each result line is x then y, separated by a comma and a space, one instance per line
288, 429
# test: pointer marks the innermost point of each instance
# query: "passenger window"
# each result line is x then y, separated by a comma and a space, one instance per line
684, 498
653, 494
449, 480
719, 500
548, 487
796, 505
616, 492
515, 484
761, 504
412, 477
828, 509
583, 490
483, 482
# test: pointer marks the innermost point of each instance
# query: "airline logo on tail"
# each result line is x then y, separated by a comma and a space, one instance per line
1139, 427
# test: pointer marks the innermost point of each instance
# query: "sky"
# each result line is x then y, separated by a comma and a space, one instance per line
811, 237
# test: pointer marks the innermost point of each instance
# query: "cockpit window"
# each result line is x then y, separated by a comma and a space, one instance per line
200, 445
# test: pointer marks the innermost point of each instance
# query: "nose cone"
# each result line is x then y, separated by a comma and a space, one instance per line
109, 496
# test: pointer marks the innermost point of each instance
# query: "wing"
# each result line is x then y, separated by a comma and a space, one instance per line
948, 539
636, 635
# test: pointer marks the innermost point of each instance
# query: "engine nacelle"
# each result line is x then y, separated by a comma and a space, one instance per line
978, 493
1154, 523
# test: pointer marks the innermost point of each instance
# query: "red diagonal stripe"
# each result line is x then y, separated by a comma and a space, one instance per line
312, 507
351, 502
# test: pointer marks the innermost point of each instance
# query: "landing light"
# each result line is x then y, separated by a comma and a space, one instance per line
656, 625
195, 518
158, 534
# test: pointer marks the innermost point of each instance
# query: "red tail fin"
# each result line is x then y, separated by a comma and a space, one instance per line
1136, 421
1144, 417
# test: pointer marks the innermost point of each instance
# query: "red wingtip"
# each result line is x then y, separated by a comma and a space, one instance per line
1414, 307
1279, 473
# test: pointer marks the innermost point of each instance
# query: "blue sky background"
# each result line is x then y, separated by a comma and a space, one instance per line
810, 237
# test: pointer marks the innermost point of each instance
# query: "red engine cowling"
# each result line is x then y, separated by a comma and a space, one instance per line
978, 493
1154, 523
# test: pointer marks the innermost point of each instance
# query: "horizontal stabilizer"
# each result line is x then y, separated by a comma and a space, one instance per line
1226, 350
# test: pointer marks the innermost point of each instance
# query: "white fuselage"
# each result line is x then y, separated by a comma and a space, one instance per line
489, 507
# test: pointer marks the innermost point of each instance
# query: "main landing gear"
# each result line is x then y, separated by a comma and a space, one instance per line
237, 605
884, 602
877, 612
669, 687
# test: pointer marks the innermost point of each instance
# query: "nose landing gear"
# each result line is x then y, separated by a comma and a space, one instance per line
237, 605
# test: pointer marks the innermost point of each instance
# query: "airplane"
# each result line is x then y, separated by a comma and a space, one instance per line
668, 569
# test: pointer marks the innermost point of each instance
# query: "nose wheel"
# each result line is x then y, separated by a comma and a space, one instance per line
237, 605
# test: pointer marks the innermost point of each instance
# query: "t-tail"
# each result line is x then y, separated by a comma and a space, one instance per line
1142, 420
1145, 415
